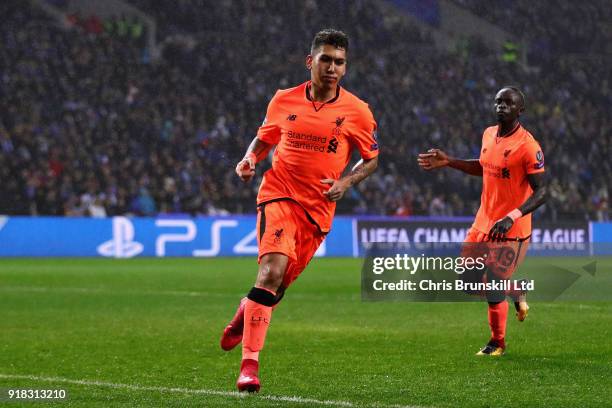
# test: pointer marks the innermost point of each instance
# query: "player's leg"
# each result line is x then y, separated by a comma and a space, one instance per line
277, 240
505, 259
519, 295
307, 241
277, 271
260, 301
497, 307
497, 312
521, 306
497, 316
232, 334
257, 316
266, 215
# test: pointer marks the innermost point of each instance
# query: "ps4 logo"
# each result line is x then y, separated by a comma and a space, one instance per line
122, 245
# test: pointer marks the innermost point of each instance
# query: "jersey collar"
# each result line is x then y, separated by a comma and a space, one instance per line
513, 131
332, 100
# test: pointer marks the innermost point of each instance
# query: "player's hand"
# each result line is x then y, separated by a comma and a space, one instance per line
337, 189
500, 229
433, 159
246, 168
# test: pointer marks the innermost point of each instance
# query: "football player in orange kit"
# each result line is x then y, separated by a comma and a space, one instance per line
314, 126
511, 165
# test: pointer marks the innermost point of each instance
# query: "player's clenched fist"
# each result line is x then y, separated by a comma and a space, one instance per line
246, 167
433, 159
499, 229
337, 189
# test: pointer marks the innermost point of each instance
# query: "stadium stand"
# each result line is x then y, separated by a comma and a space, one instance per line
551, 28
92, 125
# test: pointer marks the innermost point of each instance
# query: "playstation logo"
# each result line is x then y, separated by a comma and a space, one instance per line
122, 245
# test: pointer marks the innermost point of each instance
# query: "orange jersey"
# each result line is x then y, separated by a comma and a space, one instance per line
506, 162
314, 142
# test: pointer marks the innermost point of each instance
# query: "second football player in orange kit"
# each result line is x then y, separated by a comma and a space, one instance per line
511, 165
315, 127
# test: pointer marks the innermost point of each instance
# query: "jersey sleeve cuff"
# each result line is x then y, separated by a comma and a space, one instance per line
535, 171
369, 155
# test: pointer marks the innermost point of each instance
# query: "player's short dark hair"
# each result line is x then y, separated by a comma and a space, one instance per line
330, 36
517, 91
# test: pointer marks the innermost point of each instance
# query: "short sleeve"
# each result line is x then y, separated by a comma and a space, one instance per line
363, 135
533, 158
270, 131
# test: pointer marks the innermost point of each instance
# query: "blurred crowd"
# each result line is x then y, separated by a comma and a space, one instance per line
551, 27
90, 125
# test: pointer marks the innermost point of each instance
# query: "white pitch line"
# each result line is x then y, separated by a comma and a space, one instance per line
234, 394
107, 291
567, 304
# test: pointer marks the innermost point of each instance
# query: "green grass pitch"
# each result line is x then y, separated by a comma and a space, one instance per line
145, 332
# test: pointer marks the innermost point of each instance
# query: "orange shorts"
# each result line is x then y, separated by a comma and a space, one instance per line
503, 258
283, 227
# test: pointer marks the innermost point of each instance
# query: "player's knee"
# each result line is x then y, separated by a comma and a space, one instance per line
494, 297
270, 274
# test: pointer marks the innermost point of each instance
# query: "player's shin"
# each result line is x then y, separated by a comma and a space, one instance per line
257, 316
498, 315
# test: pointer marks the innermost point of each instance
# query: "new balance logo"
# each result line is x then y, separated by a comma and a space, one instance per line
333, 146
292, 118
506, 173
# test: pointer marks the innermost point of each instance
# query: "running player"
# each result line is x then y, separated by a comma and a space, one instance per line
511, 165
314, 126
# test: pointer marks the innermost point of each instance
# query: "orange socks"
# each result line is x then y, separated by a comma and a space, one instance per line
498, 315
257, 315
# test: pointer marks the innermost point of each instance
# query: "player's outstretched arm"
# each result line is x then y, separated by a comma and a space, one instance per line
537, 198
257, 150
358, 173
436, 158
